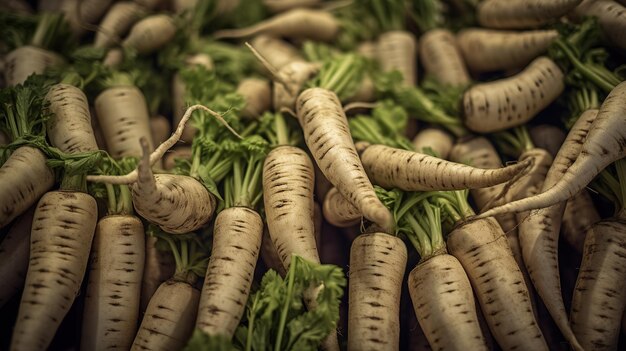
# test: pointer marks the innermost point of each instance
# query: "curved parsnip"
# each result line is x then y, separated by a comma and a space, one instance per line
484, 252
61, 235
299, 23
24, 178
26, 60
605, 144
14, 251
327, 135
397, 50
513, 101
117, 21
178, 204
69, 128
539, 232
486, 50
444, 304
235, 251
412, 171
514, 14
114, 287
377, 264
168, 322
442, 59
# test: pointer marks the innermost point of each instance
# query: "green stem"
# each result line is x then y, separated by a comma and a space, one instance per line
221, 170
217, 156
244, 196
74, 183
450, 209
40, 32
195, 163
432, 221
524, 137
461, 202
421, 235
282, 132
112, 206
72, 78
254, 181
583, 69
175, 253
237, 181
251, 317
228, 193
184, 254
126, 202
285, 310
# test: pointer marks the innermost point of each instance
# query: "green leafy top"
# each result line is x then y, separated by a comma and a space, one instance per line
341, 74
577, 52
74, 167
579, 98
212, 153
514, 142
385, 126
427, 14
454, 206
418, 103
188, 250
278, 131
276, 315
389, 14
23, 114
48, 31
358, 24
243, 187
417, 218
235, 62
319, 52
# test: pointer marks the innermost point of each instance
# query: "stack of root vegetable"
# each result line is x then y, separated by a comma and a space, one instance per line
308, 174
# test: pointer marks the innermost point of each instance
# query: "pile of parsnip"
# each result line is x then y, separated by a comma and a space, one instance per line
312, 175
